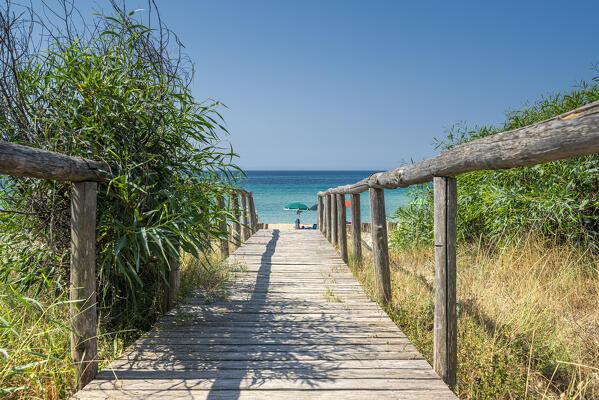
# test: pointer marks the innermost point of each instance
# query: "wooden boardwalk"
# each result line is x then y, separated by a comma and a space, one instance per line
297, 325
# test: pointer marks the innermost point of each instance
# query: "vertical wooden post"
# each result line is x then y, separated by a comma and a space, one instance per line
380, 246
327, 216
236, 228
222, 226
320, 214
334, 234
84, 339
356, 231
253, 218
445, 326
341, 226
174, 281
329, 200
245, 229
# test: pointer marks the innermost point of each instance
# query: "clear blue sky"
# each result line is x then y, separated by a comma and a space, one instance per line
367, 85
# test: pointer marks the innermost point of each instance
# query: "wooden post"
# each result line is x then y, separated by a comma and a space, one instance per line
334, 234
222, 226
84, 339
380, 246
329, 205
320, 214
327, 217
341, 227
445, 326
356, 231
253, 218
245, 229
174, 281
236, 229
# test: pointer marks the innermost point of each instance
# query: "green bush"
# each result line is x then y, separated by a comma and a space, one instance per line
557, 199
115, 95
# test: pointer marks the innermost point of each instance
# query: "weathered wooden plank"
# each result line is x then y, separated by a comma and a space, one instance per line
379, 245
356, 233
249, 366
274, 383
272, 355
84, 338
313, 393
17, 160
445, 325
291, 373
258, 340
575, 133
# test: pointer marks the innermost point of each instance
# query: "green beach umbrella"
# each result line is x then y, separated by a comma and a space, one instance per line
299, 207
296, 206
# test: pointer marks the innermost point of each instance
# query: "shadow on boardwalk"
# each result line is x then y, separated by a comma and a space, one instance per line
297, 325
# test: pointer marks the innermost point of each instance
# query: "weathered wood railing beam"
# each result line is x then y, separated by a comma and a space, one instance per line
572, 134
18, 160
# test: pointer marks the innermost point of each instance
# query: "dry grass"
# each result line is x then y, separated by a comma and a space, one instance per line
528, 317
34, 334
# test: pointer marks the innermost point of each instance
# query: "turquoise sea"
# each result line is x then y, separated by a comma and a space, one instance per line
273, 190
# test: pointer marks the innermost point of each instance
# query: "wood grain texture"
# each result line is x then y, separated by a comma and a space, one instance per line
445, 325
245, 229
174, 281
380, 246
222, 226
236, 226
253, 216
575, 133
327, 202
341, 227
334, 224
296, 325
320, 214
84, 341
17, 160
356, 231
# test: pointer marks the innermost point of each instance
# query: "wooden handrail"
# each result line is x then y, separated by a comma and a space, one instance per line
572, 134
24, 161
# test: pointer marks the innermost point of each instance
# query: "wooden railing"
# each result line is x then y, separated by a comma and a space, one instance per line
575, 133
84, 174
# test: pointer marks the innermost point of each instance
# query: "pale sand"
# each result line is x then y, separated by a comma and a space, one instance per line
284, 226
